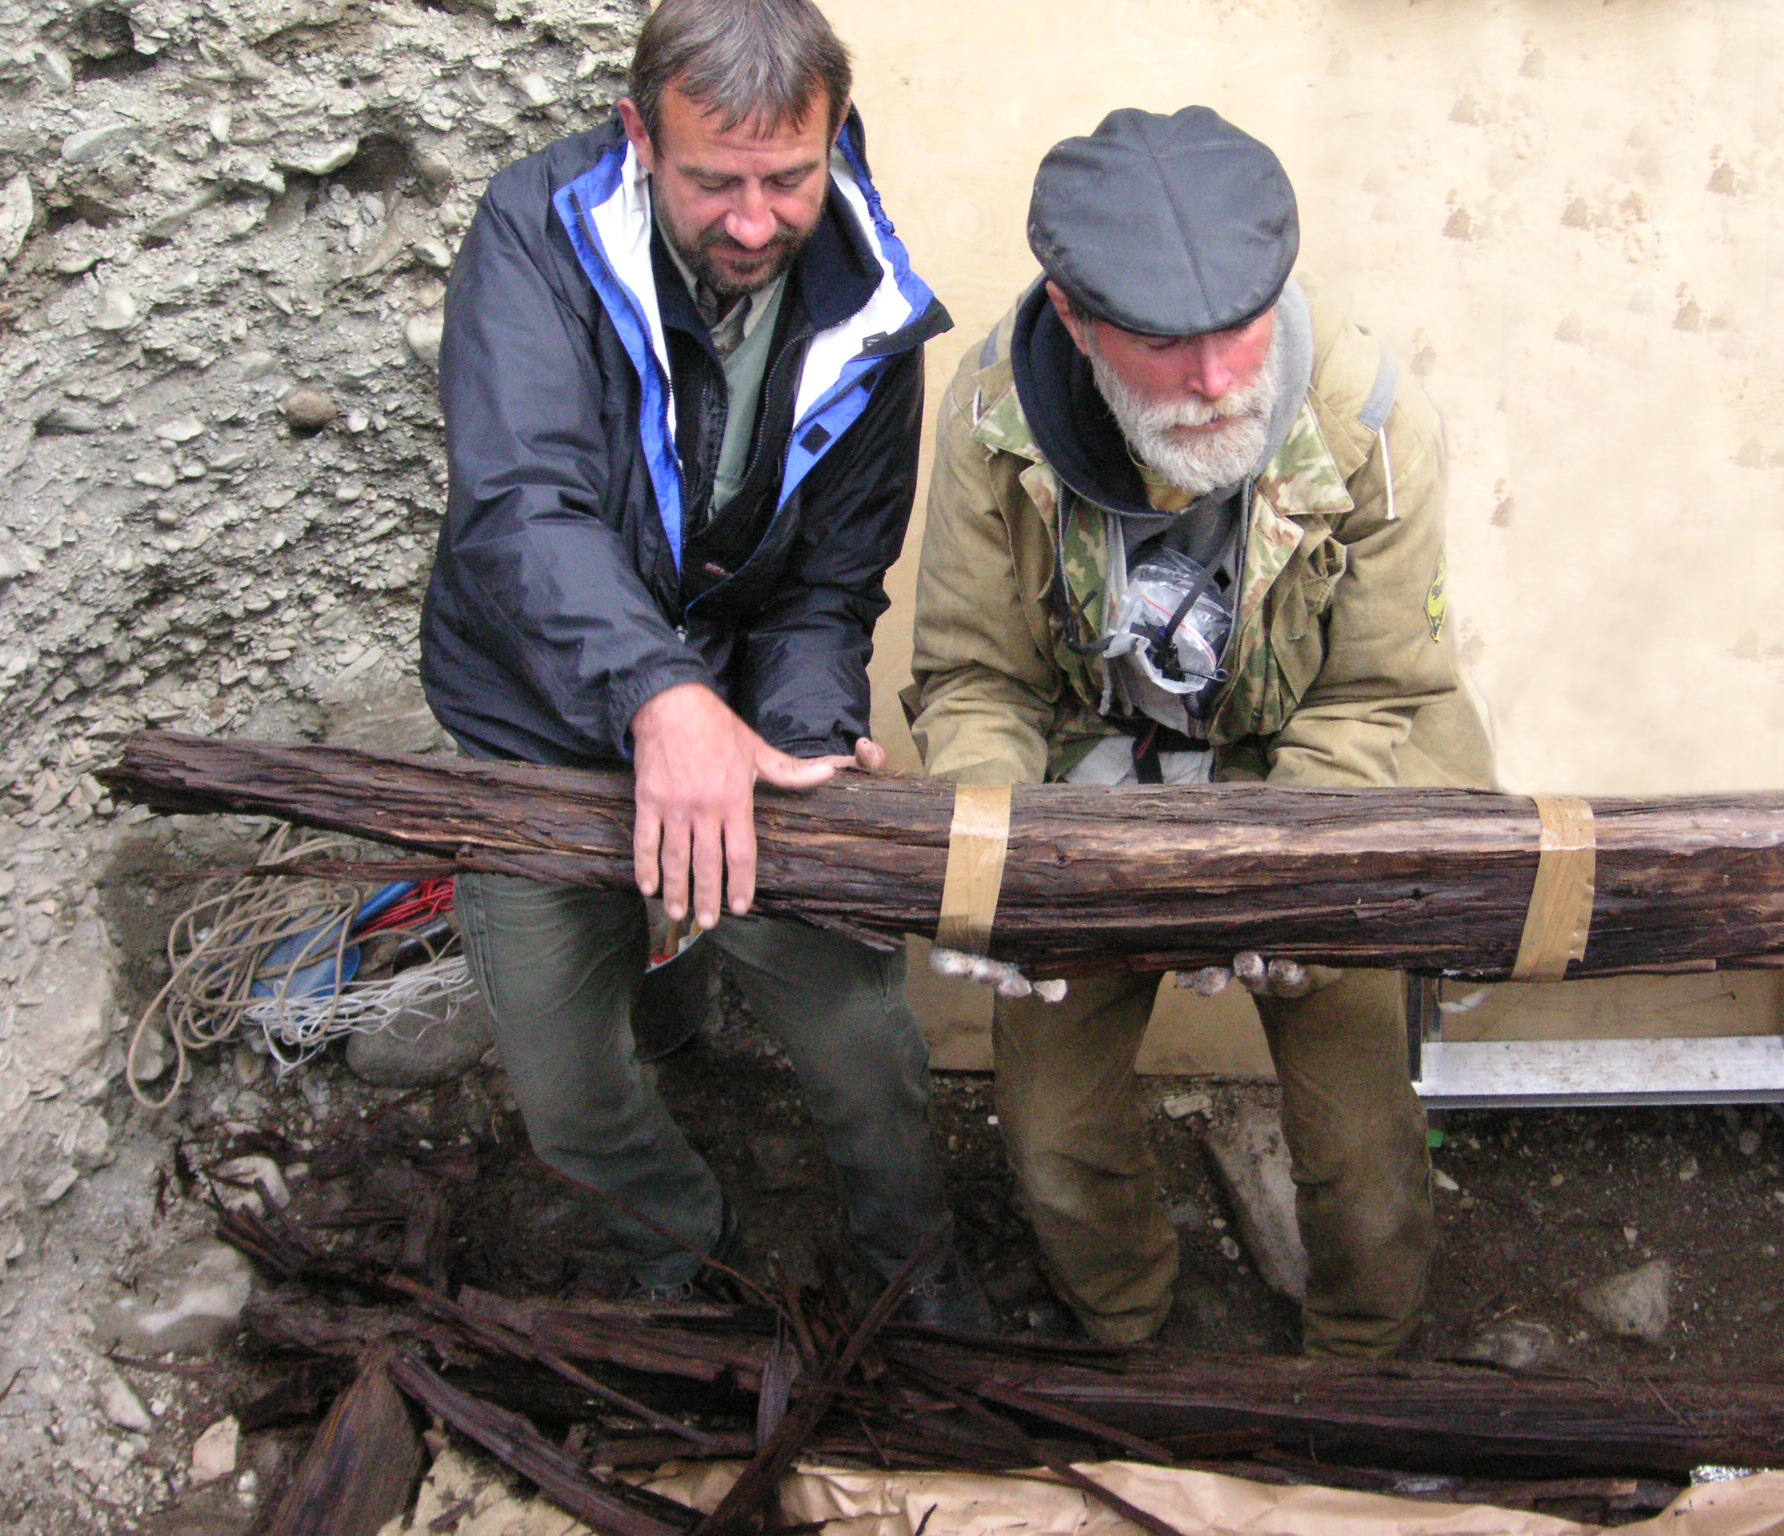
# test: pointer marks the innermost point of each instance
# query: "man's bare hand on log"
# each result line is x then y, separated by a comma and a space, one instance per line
696, 765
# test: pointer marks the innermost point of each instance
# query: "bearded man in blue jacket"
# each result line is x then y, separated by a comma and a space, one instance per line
682, 375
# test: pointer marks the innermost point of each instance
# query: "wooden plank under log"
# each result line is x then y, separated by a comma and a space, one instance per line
1435, 881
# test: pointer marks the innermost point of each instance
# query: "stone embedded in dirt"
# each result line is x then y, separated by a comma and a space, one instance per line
1185, 1215
1254, 1167
1180, 1106
1443, 1181
776, 1162
68, 420
150, 1055
89, 146
213, 1454
58, 1182
191, 1299
119, 1403
64, 1016
17, 211
1636, 1303
309, 410
116, 310
1514, 1344
418, 1051
237, 1182
182, 429
422, 335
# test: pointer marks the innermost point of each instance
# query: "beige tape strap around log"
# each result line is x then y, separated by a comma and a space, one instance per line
1560, 914
977, 842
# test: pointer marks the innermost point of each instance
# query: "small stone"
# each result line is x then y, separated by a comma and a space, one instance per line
422, 335
538, 91
323, 161
1230, 1249
221, 124
432, 167
68, 420
91, 145
418, 1051
116, 310
188, 1301
157, 473
1254, 1166
213, 1455
1185, 1215
1180, 1106
181, 429
433, 253
348, 491
119, 1403
357, 422
149, 1059
1637, 1304
309, 410
256, 365
236, 1184
247, 1065
777, 1163
1749, 1143
76, 259
16, 214
1688, 1170
1444, 1182
60, 1181
1514, 1345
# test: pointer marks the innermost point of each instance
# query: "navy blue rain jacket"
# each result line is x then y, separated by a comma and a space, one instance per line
558, 603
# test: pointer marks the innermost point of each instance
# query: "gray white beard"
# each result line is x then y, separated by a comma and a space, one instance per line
1204, 462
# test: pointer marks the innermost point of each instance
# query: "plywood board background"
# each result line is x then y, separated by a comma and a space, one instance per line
1563, 215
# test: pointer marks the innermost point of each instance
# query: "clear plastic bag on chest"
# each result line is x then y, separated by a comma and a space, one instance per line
1170, 632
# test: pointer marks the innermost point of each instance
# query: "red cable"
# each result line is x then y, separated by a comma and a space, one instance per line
427, 901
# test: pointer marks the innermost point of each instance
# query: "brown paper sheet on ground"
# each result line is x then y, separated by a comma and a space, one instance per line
961, 1504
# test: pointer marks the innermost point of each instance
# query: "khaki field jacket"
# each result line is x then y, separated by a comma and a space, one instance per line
1340, 667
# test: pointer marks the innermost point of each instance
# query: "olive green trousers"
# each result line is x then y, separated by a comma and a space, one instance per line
1070, 1106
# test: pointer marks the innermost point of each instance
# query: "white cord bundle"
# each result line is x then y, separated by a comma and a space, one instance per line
296, 1028
222, 945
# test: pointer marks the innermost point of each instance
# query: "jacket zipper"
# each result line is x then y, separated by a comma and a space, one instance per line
774, 370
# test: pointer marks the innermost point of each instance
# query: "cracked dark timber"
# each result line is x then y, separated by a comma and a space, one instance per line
820, 1376
1095, 878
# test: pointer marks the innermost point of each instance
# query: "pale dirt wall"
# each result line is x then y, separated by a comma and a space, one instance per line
1561, 216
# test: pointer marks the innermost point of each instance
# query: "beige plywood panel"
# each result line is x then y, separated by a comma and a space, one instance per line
1563, 216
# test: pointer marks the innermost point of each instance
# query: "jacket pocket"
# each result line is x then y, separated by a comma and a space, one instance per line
1299, 601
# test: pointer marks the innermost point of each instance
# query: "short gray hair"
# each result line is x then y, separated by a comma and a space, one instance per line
752, 61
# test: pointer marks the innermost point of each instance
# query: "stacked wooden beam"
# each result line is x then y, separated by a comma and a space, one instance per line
782, 1374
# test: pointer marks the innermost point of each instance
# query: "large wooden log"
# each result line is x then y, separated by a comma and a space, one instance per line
1436, 881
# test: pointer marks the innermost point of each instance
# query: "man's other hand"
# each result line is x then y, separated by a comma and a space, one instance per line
696, 766
1260, 977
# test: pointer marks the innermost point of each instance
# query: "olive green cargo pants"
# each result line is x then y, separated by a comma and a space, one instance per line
560, 968
1069, 1103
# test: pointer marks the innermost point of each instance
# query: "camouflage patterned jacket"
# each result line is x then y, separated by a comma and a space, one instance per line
1340, 666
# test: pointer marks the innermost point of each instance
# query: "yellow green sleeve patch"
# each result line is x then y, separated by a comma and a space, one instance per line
1437, 599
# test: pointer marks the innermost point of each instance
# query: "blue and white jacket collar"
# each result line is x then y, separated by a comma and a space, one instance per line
607, 213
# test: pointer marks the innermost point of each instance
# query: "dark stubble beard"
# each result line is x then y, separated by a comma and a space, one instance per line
785, 246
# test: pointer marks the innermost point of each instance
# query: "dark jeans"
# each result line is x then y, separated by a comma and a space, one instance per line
560, 968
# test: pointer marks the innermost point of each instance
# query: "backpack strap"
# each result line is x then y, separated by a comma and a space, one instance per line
1374, 416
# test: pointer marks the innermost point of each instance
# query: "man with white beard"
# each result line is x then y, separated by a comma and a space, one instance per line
1186, 526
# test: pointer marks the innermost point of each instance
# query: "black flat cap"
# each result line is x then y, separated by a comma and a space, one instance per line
1167, 226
